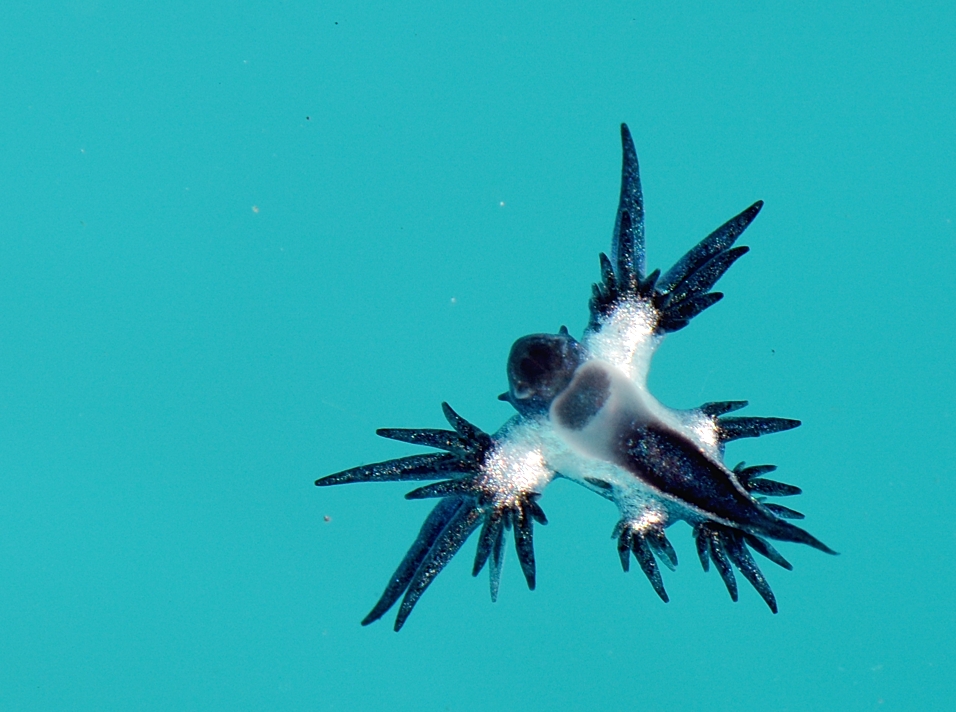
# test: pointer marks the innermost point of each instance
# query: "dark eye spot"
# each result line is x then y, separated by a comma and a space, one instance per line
582, 401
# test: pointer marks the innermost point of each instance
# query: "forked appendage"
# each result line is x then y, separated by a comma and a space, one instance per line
518, 515
474, 492
753, 481
683, 291
734, 427
645, 540
725, 545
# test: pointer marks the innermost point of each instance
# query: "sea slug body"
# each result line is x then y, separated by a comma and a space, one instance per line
584, 413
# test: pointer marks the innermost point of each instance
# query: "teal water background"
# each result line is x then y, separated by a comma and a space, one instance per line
238, 237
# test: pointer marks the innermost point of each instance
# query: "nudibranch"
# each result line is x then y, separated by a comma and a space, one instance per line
584, 413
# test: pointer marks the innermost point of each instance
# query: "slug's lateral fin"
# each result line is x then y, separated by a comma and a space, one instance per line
698, 283
718, 555
753, 481
741, 558
468, 497
464, 521
644, 542
431, 530
490, 532
772, 488
475, 436
642, 552
725, 546
683, 292
414, 467
622, 274
627, 243
736, 427
445, 488
427, 437
784, 512
494, 567
677, 318
524, 543
717, 242
662, 547
465, 450
764, 548
720, 407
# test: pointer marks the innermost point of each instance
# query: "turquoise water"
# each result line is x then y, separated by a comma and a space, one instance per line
237, 238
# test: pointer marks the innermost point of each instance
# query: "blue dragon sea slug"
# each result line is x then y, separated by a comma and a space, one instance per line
584, 413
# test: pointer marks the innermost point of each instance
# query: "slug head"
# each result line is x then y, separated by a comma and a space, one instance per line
540, 367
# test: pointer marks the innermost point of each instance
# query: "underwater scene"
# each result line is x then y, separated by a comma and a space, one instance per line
652, 308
